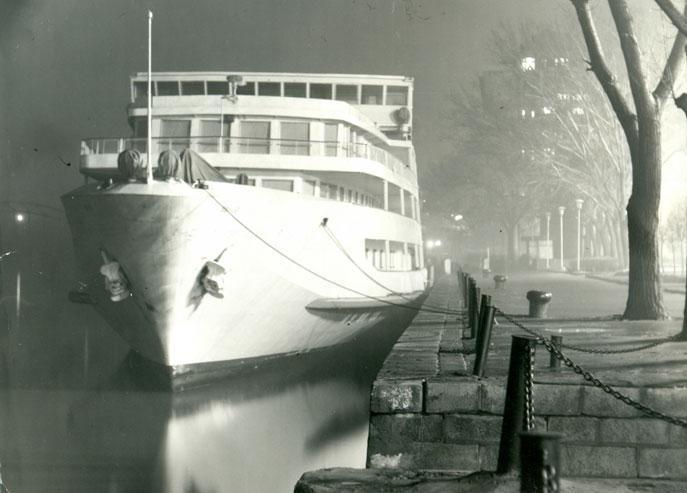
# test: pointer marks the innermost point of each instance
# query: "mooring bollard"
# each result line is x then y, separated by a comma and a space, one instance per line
557, 342
540, 462
539, 301
499, 281
483, 340
514, 408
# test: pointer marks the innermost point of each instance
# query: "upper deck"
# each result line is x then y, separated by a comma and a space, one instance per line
386, 100
357, 127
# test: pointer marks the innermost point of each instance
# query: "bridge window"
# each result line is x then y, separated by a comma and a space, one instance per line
331, 138
141, 89
409, 209
295, 138
247, 89
169, 129
397, 95
193, 88
168, 88
394, 199
309, 187
269, 88
284, 185
347, 93
321, 91
294, 89
255, 137
372, 94
217, 88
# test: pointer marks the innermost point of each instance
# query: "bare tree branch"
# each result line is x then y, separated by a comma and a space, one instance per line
674, 66
603, 73
674, 15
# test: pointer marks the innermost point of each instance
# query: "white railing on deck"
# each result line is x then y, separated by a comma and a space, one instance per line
245, 145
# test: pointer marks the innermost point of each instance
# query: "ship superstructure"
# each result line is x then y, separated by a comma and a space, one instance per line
290, 220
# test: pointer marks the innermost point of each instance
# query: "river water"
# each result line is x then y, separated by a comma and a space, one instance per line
255, 431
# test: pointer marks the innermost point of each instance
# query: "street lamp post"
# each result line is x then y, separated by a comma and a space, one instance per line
548, 238
578, 204
561, 211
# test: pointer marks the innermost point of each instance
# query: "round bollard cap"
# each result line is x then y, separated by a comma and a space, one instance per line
500, 278
539, 296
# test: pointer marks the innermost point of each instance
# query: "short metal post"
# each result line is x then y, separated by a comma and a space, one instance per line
474, 320
557, 342
514, 408
485, 300
472, 303
540, 464
483, 340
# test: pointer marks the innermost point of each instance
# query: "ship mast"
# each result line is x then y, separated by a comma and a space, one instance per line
150, 98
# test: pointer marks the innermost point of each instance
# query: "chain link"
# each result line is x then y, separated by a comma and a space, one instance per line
589, 377
529, 385
549, 476
580, 349
619, 351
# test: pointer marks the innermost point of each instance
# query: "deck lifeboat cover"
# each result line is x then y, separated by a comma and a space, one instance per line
193, 168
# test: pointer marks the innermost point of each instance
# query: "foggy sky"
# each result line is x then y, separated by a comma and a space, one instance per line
64, 64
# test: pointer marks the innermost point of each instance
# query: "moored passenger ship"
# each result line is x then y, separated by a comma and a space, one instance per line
283, 217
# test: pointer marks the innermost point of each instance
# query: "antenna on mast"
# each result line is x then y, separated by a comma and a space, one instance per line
150, 99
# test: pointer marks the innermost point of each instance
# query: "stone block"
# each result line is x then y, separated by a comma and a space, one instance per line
488, 457
596, 402
557, 400
492, 397
663, 463
396, 396
633, 431
677, 435
576, 429
462, 428
452, 363
452, 396
671, 401
611, 462
446, 456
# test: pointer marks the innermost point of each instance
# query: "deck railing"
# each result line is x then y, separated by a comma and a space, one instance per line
245, 145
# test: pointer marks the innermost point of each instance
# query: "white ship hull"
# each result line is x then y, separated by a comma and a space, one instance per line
289, 287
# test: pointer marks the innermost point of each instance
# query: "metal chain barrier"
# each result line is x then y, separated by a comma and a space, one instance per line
580, 349
529, 386
589, 377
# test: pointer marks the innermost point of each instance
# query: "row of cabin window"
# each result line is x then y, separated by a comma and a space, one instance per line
296, 135
335, 192
349, 93
398, 258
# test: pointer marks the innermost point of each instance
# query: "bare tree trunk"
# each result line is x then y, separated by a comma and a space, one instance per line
645, 296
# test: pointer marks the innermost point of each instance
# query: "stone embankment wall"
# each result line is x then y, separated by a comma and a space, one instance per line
455, 423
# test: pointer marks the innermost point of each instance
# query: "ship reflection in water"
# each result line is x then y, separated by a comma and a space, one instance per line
255, 431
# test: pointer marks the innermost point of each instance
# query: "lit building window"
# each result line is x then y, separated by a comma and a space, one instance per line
528, 63
546, 110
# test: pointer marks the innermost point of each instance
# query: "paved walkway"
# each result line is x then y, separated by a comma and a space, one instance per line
433, 346
574, 296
